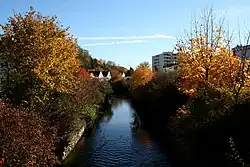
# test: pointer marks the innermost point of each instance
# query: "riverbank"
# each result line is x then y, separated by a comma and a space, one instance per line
83, 119
87, 128
56, 131
198, 130
119, 140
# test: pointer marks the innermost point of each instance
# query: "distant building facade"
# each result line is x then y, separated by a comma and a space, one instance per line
163, 60
241, 51
171, 68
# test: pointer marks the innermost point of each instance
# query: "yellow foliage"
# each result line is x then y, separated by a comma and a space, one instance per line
141, 76
207, 60
38, 46
202, 63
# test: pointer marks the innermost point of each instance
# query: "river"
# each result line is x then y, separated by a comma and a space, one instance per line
119, 141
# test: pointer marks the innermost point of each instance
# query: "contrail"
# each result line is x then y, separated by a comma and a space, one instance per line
159, 36
116, 42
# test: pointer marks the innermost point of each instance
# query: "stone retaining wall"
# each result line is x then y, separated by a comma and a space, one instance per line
72, 143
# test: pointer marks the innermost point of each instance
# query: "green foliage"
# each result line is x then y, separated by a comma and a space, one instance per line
79, 105
84, 57
94, 63
90, 112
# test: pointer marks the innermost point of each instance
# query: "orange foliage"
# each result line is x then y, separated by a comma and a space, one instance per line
206, 60
83, 74
141, 76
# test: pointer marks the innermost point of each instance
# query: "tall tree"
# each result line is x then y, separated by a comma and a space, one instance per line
206, 58
84, 57
94, 63
40, 53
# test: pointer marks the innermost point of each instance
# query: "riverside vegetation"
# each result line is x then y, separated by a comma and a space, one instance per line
45, 99
43, 102
203, 106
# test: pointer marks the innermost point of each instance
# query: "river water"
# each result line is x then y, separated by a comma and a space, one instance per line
119, 141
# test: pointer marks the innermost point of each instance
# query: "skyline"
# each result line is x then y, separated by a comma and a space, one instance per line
129, 32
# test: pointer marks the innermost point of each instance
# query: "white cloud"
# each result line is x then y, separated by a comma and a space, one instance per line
159, 36
116, 42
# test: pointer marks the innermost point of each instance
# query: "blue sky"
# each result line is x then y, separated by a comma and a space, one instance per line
129, 31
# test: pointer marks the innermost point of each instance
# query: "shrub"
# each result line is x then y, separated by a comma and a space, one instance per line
25, 139
68, 108
158, 99
120, 87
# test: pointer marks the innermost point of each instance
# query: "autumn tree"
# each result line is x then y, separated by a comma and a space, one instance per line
144, 64
84, 57
142, 75
41, 55
206, 58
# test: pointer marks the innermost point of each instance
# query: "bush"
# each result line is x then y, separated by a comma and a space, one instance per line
158, 99
120, 87
68, 108
25, 140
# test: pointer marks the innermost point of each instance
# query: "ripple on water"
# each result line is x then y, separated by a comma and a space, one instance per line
115, 145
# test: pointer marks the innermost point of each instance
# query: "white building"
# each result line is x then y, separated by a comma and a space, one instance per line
165, 59
171, 68
242, 51
100, 75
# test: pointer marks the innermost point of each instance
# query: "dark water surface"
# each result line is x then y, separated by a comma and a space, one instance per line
118, 141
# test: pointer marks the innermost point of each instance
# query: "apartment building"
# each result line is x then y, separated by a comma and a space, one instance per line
163, 60
241, 51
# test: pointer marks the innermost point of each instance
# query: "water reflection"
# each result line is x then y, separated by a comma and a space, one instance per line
107, 117
119, 141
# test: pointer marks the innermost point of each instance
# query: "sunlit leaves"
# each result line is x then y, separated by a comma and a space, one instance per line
142, 75
38, 47
206, 60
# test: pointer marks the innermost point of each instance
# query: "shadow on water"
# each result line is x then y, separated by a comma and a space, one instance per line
119, 141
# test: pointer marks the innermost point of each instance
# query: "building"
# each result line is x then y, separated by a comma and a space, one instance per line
242, 51
170, 69
165, 59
